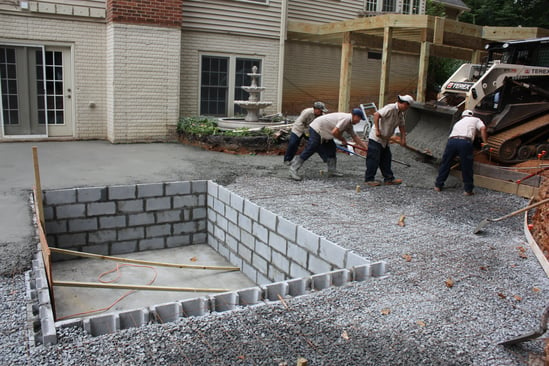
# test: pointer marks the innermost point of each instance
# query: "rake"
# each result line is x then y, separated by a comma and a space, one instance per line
485, 222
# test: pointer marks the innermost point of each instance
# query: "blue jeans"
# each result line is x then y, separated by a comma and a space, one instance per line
463, 149
293, 145
378, 157
326, 149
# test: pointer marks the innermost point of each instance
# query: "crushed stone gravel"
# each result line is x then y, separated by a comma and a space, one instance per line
411, 316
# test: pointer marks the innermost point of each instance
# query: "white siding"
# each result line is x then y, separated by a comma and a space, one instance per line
324, 11
195, 44
233, 17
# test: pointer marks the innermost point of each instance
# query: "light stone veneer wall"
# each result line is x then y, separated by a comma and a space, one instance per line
87, 41
143, 78
196, 44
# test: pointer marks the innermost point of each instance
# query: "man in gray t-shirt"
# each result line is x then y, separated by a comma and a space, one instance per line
322, 132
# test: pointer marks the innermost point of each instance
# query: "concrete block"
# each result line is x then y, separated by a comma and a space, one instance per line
263, 250
247, 239
125, 192
184, 201
46, 8
281, 262
156, 204
57, 226
49, 213
277, 242
236, 202
222, 223
249, 271
102, 324
273, 290
224, 302
150, 190
379, 269
101, 236
332, 253
218, 206
231, 214
169, 216
299, 286
145, 218
224, 195
212, 189
318, 265
195, 307
259, 263
251, 210
287, 229
151, 244
296, 271
101, 249
361, 272
276, 274
199, 238
235, 260
59, 197
262, 279
353, 259
341, 277
97, 13
233, 230
81, 11
188, 227
177, 188
232, 243
78, 225
65, 241
133, 318
260, 232
130, 206
249, 296
70, 211
48, 332
199, 186
158, 230
178, 241
91, 194
321, 281
101, 208
108, 222
123, 247
70, 323
167, 312
219, 233
43, 293
245, 223
245, 253
308, 240
198, 213
131, 233
297, 254
267, 219
63, 9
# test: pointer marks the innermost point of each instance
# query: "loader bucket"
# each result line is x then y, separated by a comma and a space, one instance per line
428, 127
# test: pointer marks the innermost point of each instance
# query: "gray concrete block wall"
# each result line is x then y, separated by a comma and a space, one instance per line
120, 219
269, 247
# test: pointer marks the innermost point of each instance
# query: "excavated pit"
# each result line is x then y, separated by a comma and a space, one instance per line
194, 223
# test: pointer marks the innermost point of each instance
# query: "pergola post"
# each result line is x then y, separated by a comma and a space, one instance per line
423, 71
385, 64
345, 73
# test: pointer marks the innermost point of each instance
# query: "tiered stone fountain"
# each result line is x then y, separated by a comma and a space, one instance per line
253, 105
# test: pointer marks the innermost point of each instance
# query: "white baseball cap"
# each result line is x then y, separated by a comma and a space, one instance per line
406, 99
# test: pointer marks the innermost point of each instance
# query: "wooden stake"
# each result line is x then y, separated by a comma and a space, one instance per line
138, 261
120, 286
38, 186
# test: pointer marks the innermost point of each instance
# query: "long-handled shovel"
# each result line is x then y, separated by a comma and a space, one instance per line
532, 335
485, 222
363, 149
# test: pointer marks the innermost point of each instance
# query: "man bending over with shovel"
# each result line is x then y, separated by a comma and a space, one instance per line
322, 132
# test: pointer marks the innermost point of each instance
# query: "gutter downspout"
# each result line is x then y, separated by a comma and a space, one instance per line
281, 53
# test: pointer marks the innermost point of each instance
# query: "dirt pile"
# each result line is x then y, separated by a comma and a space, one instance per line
540, 219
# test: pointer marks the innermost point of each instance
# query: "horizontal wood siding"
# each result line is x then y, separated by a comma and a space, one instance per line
324, 11
233, 17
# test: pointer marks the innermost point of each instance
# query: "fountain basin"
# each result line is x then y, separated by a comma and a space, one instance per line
231, 123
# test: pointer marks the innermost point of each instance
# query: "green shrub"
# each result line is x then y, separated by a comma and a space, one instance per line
205, 126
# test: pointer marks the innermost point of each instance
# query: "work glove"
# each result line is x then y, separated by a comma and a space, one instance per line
486, 147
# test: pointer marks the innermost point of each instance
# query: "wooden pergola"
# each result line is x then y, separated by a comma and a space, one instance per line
421, 35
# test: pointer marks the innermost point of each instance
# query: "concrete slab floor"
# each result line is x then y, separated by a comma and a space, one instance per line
86, 301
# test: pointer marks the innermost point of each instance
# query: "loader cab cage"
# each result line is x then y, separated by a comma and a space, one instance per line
533, 52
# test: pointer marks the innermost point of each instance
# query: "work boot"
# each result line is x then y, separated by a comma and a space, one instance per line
332, 172
296, 165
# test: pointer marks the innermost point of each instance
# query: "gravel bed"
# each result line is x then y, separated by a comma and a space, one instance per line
450, 296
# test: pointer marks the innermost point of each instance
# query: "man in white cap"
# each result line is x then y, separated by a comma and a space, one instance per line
300, 127
322, 132
386, 120
460, 143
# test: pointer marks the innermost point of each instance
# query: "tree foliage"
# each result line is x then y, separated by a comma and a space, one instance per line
507, 13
